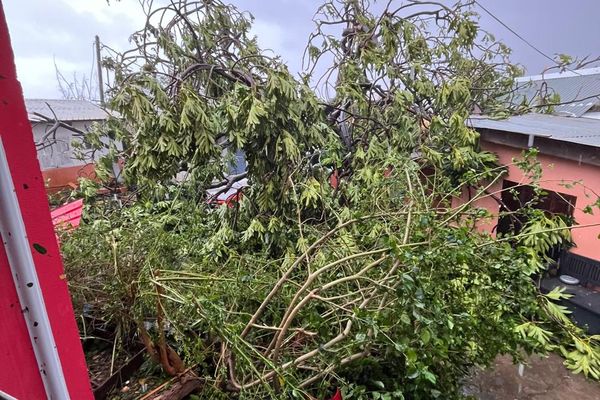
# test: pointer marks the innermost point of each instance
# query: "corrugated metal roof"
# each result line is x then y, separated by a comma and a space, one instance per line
65, 110
579, 90
584, 131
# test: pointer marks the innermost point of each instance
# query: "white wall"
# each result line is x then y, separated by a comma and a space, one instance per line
61, 153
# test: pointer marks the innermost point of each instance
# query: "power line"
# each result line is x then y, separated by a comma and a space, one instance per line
92, 69
515, 33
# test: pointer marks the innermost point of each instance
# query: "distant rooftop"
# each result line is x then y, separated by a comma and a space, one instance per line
579, 90
585, 131
65, 110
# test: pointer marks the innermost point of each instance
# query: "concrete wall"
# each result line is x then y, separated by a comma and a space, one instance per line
59, 162
556, 173
60, 154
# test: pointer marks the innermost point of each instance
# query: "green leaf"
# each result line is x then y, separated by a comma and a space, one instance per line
411, 356
425, 336
558, 293
379, 384
256, 111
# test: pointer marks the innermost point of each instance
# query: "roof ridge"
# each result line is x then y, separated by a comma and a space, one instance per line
65, 100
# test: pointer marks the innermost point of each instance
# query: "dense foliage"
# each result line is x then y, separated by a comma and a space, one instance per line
348, 261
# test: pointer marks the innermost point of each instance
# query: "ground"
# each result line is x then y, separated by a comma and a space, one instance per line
542, 378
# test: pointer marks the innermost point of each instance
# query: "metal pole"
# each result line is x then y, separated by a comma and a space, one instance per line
99, 68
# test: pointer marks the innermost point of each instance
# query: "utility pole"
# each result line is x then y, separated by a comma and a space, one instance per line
99, 68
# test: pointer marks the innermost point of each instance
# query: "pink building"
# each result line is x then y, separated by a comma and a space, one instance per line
569, 153
568, 144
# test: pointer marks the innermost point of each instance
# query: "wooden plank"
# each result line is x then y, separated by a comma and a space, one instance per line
120, 376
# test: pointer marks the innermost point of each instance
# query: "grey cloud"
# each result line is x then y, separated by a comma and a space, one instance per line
42, 29
553, 26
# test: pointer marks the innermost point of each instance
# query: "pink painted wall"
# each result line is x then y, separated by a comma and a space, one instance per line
556, 173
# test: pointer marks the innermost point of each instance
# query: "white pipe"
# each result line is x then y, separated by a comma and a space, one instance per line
18, 251
6, 396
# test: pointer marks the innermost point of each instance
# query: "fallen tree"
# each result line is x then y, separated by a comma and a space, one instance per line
348, 261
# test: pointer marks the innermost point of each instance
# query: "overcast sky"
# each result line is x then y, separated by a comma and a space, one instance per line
47, 31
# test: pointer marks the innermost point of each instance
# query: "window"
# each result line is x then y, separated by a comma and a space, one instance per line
515, 196
238, 165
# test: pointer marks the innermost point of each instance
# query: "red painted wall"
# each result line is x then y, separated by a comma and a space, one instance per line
19, 375
556, 173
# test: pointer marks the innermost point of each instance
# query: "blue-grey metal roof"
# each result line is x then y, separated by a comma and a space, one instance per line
65, 110
584, 131
578, 90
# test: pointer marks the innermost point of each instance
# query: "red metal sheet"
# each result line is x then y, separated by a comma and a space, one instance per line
57, 179
19, 375
337, 395
18, 367
68, 216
